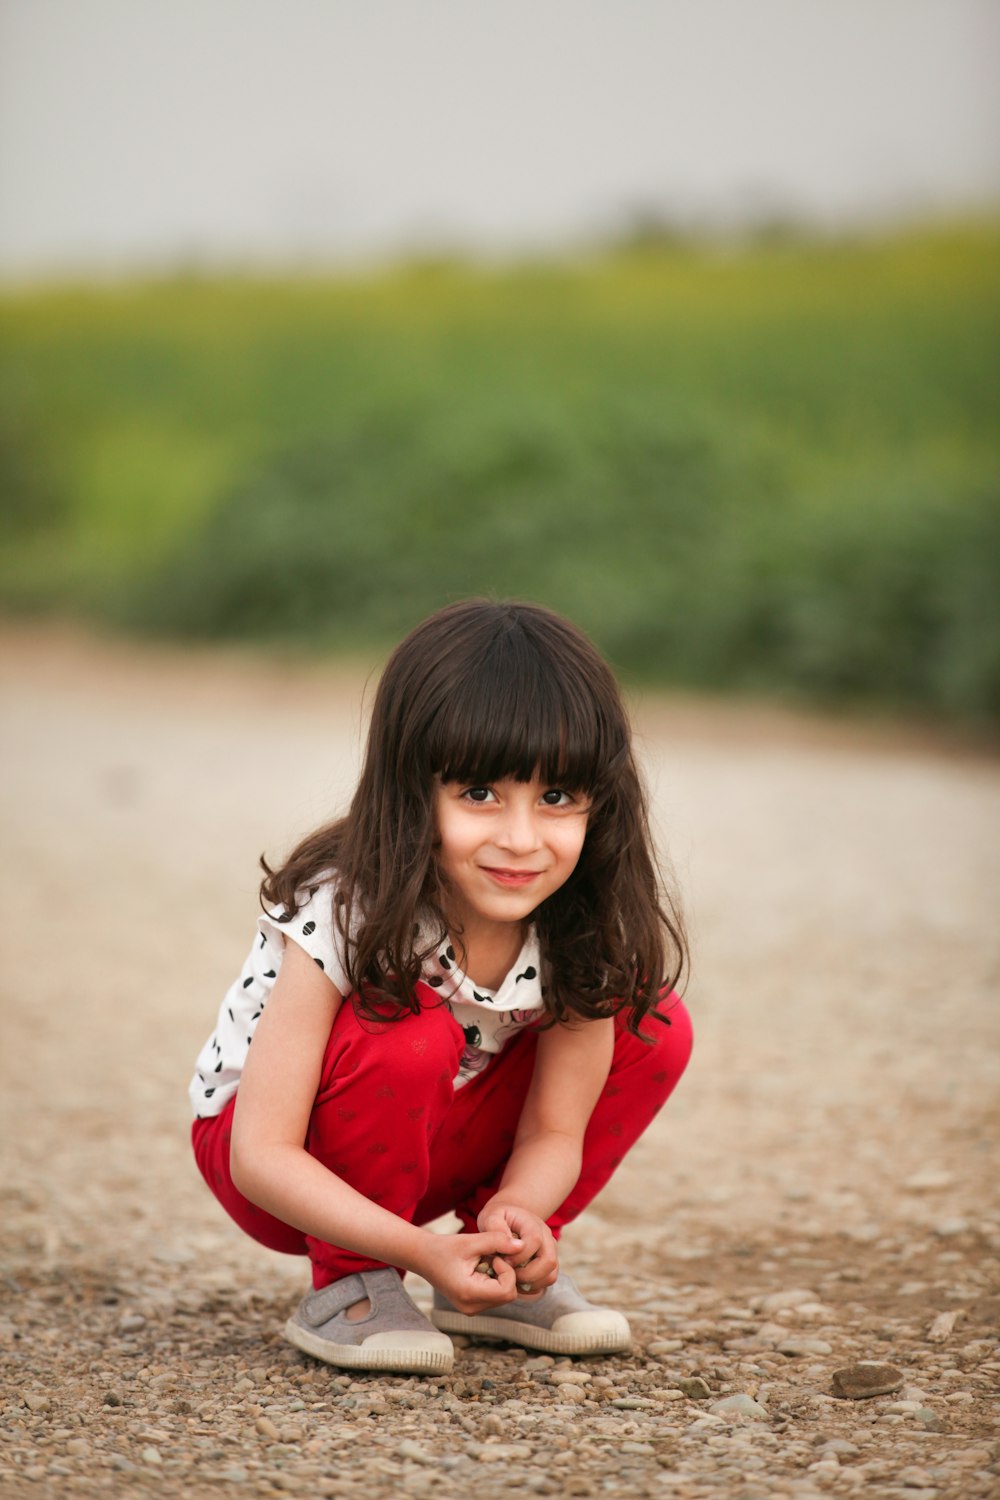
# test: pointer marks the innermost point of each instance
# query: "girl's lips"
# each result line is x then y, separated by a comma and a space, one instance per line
510, 877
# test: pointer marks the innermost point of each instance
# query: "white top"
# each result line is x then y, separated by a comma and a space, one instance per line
488, 1017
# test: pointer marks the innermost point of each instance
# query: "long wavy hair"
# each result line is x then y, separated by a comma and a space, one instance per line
480, 692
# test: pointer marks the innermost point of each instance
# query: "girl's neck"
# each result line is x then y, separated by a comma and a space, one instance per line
488, 953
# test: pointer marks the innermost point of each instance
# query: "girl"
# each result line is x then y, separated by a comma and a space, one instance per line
445, 999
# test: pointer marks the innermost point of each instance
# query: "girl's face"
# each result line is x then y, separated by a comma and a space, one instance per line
503, 848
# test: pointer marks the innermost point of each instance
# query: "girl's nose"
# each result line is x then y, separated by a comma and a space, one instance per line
518, 832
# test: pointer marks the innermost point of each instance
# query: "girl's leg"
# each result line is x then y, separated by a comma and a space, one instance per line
640, 1082
385, 1089
474, 1143
211, 1139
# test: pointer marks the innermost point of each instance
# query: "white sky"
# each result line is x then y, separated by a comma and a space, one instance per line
144, 133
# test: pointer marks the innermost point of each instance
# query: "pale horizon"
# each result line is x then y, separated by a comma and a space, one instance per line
247, 135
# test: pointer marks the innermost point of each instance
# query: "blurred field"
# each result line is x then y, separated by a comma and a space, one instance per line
774, 470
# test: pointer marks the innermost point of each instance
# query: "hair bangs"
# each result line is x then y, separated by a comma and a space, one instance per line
517, 714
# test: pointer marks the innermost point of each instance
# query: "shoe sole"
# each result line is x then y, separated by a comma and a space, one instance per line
398, 1359
481, 1326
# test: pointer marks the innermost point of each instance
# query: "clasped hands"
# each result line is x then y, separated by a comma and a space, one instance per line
520, 1247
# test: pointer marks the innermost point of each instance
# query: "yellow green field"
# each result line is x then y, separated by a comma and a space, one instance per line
773, 468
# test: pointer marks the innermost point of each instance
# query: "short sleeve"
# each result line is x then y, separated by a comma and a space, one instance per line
314, 927
219, 1065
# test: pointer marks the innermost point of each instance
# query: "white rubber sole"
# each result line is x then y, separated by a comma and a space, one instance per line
398, 1353
604, 1332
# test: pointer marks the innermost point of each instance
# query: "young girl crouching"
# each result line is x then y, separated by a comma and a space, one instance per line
459, 999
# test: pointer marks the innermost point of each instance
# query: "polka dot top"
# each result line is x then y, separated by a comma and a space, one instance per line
487, 1017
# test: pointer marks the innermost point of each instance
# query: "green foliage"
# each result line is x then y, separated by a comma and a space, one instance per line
774, 470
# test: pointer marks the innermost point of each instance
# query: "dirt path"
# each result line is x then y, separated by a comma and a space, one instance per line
835, 1135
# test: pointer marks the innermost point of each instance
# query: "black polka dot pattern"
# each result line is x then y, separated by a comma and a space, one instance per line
488, 1018
498, 1015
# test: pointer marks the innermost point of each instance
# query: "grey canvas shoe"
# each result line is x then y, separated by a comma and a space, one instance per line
395, 1335
561, 1321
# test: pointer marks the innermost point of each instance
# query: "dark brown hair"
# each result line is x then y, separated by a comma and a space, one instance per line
479, 692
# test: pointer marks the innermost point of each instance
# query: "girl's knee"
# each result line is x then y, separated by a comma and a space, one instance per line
674, 1019
662, 1057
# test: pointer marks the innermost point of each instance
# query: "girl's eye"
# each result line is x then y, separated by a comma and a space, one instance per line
555, 798
478, 793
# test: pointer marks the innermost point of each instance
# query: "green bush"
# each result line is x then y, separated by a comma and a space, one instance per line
775, 471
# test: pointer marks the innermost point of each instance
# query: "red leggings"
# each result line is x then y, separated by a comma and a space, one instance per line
389, 1121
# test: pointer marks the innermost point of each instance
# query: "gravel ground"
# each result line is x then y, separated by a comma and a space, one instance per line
822, 1190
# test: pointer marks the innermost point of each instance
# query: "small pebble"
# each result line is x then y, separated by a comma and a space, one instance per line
916, 1479
928, 1180
943, 1326
694, 1387
867, 1378
948, 1228
413, 1451
495, 1453
841, 1447
781, 1301
741, 1406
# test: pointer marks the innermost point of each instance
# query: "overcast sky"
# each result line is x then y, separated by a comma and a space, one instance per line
148, 133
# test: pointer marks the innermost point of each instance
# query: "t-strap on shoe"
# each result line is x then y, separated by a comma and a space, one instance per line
394, 1335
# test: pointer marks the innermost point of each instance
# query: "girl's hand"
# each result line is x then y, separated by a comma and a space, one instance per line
537, 1262
450, 1260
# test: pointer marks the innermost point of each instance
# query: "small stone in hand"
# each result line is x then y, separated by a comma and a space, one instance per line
485, 1268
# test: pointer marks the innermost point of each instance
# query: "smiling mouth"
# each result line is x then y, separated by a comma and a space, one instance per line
510, 877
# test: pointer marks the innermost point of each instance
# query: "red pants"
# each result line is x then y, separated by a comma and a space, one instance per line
388, 1120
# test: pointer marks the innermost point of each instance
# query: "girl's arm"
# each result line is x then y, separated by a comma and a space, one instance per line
272, 1168
572, 1063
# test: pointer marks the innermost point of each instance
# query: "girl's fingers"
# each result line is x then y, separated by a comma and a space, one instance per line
495, 1242
506, 1276
540, 1270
